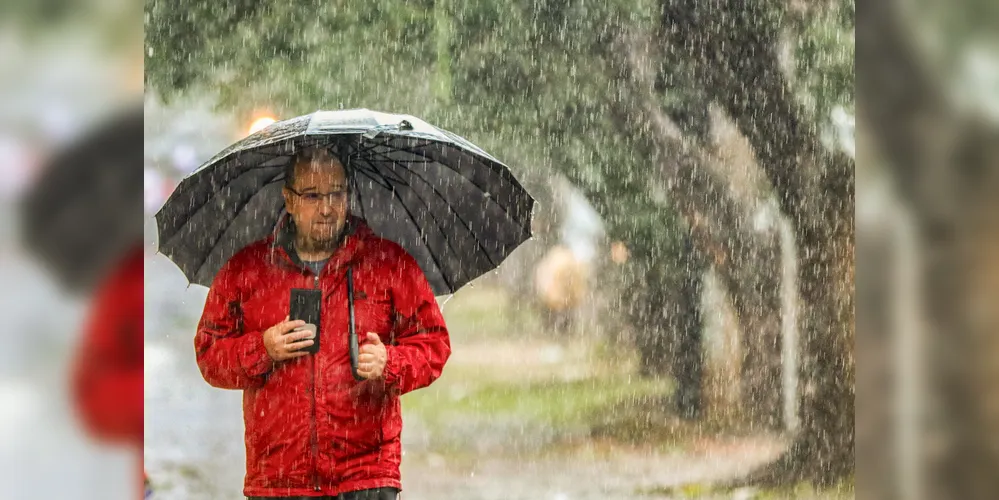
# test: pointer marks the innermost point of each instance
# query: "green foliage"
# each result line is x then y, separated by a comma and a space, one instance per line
36, 14
945, 34
824, 54
542, 69
295, 57
530, 81
114, 24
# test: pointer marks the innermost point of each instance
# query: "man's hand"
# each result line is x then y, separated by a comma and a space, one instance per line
282, 343
372, 357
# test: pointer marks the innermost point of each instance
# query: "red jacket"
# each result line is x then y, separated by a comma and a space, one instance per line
311, 429
107, 371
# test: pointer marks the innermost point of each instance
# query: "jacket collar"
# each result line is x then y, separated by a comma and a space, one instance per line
282, 243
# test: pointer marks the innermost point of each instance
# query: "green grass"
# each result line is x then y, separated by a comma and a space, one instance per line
806, 490
514, 388
511, 378
801, 491
486, 313
553, 403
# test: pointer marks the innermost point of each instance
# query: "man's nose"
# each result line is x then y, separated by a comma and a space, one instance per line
326, 206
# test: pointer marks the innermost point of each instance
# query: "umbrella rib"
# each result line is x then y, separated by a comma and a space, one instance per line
440, 195
397, 178
423, 237
428, 142
374, 176
372, 160
502, 172
426, 205
387, 139
351, 159
357, 189
437, 224
194, 211
505, 211
358, 168
234, 150
470, 181
361, 149
386, 158
225, 229
229, 160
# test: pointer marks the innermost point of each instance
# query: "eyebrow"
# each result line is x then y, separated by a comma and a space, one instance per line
336, 187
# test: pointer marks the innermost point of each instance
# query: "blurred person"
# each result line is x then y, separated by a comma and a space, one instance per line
561, 284
81, 218
17, 164
108, 369
311, 430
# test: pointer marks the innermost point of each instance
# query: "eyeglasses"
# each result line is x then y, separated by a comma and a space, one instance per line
314, 198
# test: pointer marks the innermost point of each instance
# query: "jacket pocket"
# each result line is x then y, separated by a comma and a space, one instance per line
373, 313
356, 421
390, 451
277, 454
392, 422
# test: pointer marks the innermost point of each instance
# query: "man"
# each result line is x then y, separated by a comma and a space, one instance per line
312, 430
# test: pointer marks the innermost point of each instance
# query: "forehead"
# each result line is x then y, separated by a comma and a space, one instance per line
320, 173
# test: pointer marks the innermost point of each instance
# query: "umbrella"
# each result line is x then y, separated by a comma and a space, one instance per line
84, 210
457, 210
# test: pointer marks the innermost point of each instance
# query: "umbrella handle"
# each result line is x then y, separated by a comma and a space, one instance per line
351, 331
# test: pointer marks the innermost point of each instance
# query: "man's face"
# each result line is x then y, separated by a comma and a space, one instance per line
317, 200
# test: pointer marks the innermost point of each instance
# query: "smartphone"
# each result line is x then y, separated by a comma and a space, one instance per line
305, 306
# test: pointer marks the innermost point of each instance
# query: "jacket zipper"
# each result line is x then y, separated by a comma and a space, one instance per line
313, 425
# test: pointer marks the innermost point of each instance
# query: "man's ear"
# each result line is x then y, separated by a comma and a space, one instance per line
289, 199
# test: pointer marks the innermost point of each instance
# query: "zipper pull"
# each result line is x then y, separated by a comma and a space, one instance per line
317, 281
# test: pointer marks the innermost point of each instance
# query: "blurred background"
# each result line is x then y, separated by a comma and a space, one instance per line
66, 68
683, 317
928, 87
655, 338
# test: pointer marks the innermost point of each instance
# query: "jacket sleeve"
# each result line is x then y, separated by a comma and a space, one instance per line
228, 356
107, 371
422, 345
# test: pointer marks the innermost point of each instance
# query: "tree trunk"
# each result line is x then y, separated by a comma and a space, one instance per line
663, 303
721, 232
689, 353
878, 333
755, 288
944, 163
731, 48
721, 229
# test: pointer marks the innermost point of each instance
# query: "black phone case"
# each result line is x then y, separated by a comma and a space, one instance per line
305, 305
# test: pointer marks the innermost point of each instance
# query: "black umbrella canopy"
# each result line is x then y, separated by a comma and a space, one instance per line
457, 210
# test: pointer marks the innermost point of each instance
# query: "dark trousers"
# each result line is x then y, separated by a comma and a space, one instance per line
372, 494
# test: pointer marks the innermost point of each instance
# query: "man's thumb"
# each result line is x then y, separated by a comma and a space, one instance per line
373, 337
